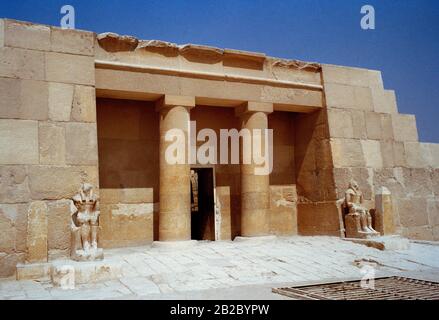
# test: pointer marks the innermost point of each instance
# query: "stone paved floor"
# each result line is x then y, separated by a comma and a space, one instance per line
230, 270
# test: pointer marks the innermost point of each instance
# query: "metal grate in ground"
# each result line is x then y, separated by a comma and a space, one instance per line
389, 288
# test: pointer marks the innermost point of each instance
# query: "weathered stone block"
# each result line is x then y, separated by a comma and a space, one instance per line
430, 154
13, 184
13, 227
359, 124
81, 143
372, 153
8, 263
347, 153
59, 225
53, 183
127, 195
84, 104
223, 206
319, 218
384, 215
72, 41
26, 35
386, 126
343, 96
404, 128
373, 126
340, 123
10, 101
18, 142
413, 212
433, 212
415, 158
34, 100
418, 182
37, 232
384, 101
22, 63
52, 144
387, 153
25, 99
348, 76
283, 210
399, 157
60, 101
69, 68
418, 233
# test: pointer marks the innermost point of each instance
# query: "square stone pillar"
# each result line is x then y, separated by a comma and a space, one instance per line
384, 220
255, 189
174, 193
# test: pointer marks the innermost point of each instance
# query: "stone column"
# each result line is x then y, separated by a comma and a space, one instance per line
174, 193
255, 189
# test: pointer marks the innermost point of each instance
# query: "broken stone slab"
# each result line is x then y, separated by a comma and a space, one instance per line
112, 42
394, 242
32, 271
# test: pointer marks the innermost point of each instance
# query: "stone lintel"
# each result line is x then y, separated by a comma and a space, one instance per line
252, 106
244, 55
168, 101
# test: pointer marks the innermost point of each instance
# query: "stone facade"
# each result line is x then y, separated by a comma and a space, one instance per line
78, 107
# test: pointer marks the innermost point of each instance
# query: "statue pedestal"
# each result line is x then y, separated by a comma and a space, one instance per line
89, 255
353, 228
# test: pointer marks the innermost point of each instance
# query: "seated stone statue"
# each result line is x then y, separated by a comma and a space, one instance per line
358, 221
85, 225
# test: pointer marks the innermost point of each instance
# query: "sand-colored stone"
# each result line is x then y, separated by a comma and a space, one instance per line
373, 126
18, 141
69, 68
127, 195
52, 144
372, 153
404, 128
384, 216
72, 41
255, 192
413, 212
174, 191
22, 63
283, 210
37, 232
340, 123
347, 153
81, 144
59, 182
343, 96
348, 76
26, 35
84, 104
60, 101
58, 237
384, 101
414, 156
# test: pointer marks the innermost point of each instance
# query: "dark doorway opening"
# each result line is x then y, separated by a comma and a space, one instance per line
202, 204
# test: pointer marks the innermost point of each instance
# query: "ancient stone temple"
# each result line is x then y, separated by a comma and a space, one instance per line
79, 109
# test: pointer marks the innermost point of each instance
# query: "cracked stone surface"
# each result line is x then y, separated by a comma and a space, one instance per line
228, 270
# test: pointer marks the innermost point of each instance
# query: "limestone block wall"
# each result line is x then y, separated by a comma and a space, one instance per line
48, 138
128, 140
371, 142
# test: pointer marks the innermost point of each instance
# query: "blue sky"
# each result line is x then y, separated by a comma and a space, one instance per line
404, 45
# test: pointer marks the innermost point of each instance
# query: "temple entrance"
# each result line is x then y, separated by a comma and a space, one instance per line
202, 204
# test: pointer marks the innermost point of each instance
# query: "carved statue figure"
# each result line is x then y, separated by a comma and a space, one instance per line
85, 225
357, 215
